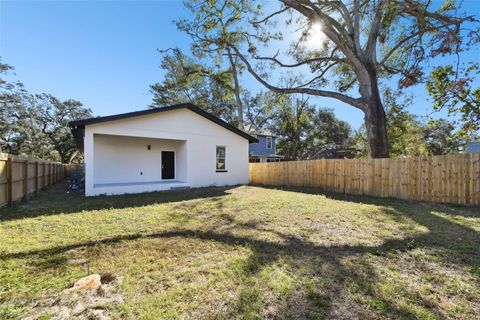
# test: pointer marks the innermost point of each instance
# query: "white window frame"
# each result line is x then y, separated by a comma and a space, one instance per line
224, 159
271, 142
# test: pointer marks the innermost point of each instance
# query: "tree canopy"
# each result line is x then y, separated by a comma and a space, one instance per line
363, 42
36, 125
304, 131
189, 81
453, 89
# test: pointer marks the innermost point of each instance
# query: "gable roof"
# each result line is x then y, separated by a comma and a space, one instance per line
80, 124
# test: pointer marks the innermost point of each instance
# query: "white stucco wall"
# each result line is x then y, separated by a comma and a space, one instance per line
112, 154
119, 159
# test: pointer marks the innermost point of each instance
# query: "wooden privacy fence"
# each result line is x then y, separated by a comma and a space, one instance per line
21, 177
446, 179
69, 168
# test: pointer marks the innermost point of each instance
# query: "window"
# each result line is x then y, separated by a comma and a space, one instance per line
269, 142
221, 159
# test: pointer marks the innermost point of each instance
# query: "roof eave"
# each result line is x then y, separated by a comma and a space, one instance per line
82, 123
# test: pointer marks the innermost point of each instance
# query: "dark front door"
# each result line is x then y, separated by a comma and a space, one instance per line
168, 165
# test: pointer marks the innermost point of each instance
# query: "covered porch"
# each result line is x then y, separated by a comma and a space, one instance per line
126, 164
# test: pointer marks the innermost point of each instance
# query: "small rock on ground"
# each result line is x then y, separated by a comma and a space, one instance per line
96, 304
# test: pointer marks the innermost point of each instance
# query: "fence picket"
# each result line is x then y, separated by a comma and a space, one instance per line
21, 177
445, 179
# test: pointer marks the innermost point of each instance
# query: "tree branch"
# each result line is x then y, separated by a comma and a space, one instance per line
318, 77
371, 47
356, 25
355, 102
298, 64
255, 23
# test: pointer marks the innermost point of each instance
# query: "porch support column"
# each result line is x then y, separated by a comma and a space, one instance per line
89, 156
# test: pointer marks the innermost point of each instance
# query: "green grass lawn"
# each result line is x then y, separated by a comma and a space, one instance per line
247, 252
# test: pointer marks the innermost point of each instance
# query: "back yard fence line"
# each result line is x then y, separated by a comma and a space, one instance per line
444, 179
22, 177
68, 168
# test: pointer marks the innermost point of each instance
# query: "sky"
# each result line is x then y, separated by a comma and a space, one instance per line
104, 53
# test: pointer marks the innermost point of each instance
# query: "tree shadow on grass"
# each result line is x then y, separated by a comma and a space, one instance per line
450, 209
461, 241
323, 303
55, 200
457, 244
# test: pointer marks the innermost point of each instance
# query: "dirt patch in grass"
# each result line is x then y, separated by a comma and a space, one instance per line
247, 252
100, 303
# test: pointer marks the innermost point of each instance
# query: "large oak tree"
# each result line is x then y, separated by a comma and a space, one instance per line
36, 125
365, 41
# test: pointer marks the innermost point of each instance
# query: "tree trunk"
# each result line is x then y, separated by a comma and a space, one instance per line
376, 125
375, 117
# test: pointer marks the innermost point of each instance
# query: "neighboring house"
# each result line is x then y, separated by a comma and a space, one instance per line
473, 147
159, 149
265, 149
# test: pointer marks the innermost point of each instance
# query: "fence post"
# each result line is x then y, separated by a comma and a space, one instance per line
44, 175
10, 180
25, 181
35, 190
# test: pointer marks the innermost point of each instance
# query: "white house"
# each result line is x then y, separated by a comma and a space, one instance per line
159, 149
